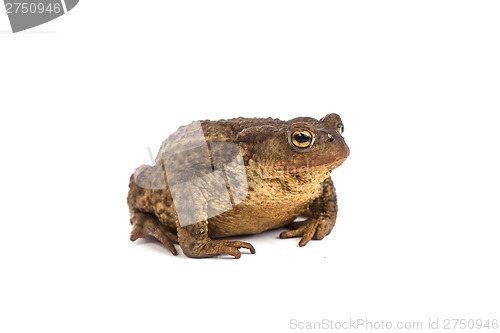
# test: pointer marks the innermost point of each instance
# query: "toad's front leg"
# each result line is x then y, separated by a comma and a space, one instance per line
196, 243
324, 215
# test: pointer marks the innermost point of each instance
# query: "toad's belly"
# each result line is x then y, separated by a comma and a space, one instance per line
258, 213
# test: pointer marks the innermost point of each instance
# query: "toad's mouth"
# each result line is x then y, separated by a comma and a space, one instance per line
319, 164
336, 164
294, 170
316, 163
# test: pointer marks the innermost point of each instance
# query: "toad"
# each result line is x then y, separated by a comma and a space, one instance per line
217, 179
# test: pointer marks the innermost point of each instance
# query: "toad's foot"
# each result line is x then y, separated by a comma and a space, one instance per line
144, 225
316, 228
220, 247
195, 243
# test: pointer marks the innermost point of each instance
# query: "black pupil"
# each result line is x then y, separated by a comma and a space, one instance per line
302, 138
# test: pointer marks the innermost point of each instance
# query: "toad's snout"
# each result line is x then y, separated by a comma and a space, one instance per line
344, 149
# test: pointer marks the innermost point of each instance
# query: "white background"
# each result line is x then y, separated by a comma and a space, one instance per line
82, 97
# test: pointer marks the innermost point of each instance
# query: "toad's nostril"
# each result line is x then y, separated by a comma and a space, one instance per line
330, 137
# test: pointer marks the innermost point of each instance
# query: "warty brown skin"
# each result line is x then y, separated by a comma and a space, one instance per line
286, 178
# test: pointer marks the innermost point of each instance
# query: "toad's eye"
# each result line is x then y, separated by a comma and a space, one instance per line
302, 138
340, 129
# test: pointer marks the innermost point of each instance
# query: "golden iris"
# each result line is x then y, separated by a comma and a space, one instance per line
302, 138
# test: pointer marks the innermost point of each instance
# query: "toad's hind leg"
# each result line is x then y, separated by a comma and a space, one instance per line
146, 224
